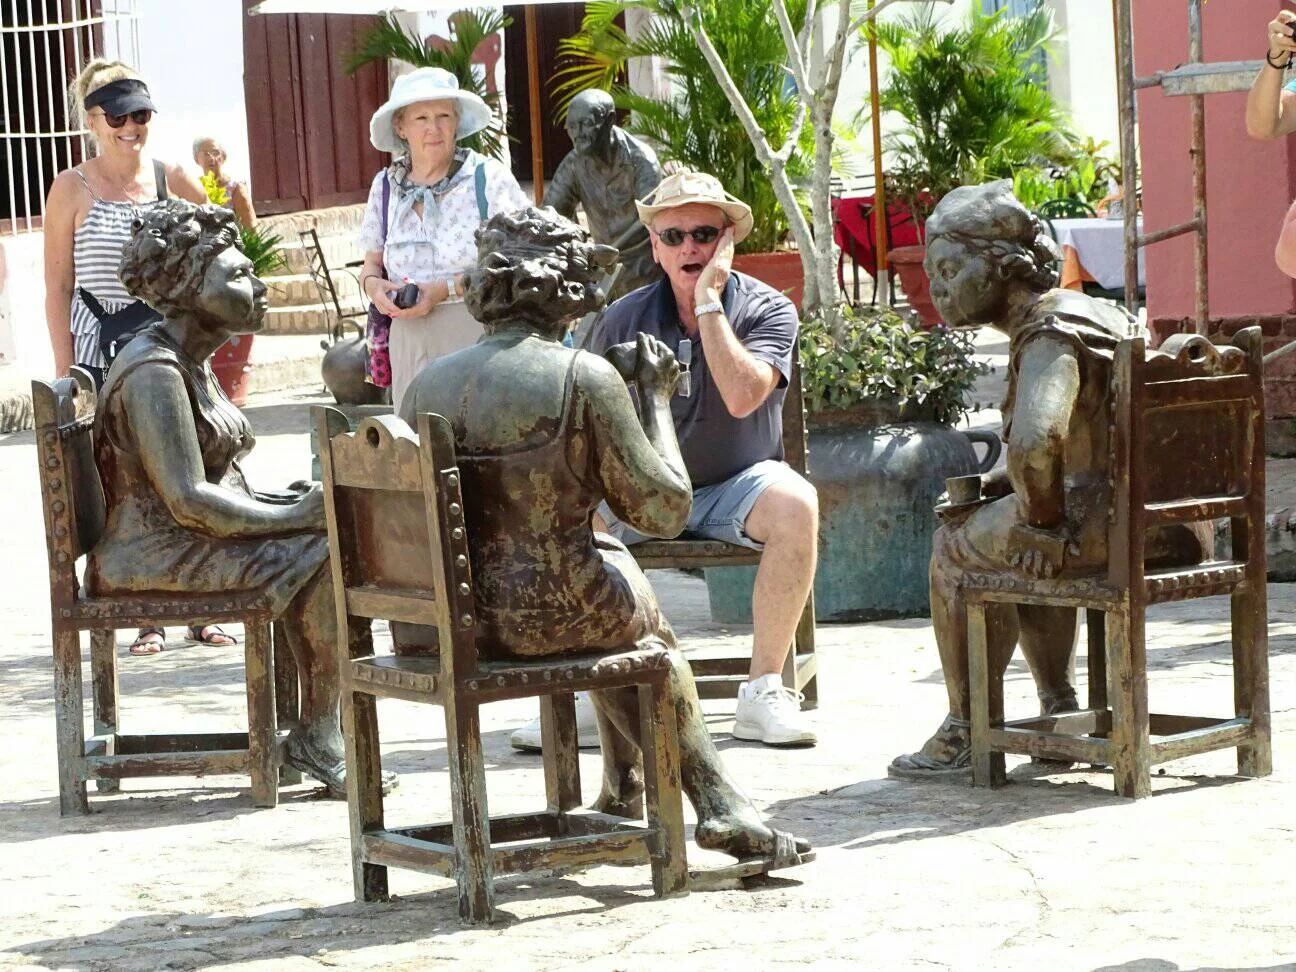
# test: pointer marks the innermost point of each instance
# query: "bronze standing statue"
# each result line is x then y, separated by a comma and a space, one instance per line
606, 171
1045, 515
543, 433
180, 515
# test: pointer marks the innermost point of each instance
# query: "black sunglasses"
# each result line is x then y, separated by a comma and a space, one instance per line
141, 117
700, 234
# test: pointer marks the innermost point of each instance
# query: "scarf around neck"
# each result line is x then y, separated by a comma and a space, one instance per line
409, 193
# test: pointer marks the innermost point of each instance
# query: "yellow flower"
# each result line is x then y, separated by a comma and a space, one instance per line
215, 191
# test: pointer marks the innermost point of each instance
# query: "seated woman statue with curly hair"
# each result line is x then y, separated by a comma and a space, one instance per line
544, 433
181, 517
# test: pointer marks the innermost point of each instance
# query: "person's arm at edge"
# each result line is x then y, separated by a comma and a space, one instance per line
60, 271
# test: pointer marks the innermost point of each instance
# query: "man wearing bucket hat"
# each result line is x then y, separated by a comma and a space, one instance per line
420, 222
742, 336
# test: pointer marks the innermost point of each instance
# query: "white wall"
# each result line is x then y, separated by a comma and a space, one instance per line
191, 55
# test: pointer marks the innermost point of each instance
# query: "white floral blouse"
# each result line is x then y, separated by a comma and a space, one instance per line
438, 243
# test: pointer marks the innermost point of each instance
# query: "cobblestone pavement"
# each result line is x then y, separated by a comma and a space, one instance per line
1050, 872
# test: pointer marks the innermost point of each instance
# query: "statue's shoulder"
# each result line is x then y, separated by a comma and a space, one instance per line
1091, 326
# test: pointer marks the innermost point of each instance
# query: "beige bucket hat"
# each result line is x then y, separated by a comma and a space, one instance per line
682, 188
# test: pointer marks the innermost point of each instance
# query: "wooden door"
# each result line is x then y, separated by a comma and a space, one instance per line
556, 21
308, 121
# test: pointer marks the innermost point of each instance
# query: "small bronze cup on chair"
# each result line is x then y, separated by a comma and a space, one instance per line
963, 489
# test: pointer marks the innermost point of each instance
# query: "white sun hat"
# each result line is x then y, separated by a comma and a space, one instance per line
426, 84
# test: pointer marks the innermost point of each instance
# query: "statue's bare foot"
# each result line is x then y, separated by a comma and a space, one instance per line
946, 755
1064, 701
742, 834
320, 756
624, 798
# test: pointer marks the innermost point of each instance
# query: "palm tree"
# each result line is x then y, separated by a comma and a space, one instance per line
389, 41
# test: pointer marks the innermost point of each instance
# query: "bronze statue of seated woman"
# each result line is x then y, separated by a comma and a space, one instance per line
1046, 513
180, 514
544, 433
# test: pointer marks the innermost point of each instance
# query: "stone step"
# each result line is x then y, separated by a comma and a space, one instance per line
336, 220
298, 289
339, 250
305, 318
283, 361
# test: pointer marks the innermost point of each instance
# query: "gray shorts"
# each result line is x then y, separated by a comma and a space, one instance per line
720, 510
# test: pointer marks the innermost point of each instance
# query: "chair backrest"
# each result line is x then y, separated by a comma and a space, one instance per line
397, 537
71, 493
322, 277
1068, 207
796, 451
1188, 446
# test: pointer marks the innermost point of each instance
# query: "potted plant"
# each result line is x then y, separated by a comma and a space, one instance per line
972, 108
882, 398
697, 126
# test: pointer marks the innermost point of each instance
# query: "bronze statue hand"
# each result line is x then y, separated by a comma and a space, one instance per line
623, 357
656, 370
996, 484
1039, 552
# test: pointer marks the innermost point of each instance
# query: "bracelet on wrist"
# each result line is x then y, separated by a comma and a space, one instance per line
711, 307
1282, 66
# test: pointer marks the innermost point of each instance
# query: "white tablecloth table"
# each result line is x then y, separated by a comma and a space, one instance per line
1099, 244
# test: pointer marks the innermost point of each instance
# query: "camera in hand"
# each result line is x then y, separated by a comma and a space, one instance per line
407, 296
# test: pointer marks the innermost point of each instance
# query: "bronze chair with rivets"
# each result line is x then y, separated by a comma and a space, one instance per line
1187, 446
400, 551
72, 499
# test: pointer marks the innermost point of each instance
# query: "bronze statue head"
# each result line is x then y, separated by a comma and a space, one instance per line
535, 270
590, 117
186, 260
982, 245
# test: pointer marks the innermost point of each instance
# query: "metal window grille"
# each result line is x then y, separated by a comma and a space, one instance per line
43, 45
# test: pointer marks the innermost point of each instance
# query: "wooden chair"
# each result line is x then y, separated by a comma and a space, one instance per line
322, 277
718, 678
1187, 445
72, 498
400, 552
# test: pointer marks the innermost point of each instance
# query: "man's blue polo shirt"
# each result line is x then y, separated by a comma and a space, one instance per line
714, 444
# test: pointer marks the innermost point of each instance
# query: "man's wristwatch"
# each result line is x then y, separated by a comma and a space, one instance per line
714, 307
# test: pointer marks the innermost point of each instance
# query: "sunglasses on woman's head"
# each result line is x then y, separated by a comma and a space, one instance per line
141, 117
701, 234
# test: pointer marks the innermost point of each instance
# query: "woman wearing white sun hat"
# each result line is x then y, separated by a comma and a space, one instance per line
422, 213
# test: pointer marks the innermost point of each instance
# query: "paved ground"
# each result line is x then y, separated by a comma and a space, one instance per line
1052, 872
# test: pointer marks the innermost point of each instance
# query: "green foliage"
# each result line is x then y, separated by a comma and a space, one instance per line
969, 97
262, 248
1083, 177
874, 355
697, 127
390, 41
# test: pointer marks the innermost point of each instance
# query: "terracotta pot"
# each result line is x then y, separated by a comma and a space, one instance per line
781, 270
230, 365
908, 264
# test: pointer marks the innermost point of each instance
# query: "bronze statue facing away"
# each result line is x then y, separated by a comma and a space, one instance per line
1045, 515
543, 433
180, 515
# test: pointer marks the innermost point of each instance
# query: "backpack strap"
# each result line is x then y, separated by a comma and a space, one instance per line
92, 302
159, 176
479, 178
386, 201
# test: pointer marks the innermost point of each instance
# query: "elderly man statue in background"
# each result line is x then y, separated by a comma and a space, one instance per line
1045, 515
605, 173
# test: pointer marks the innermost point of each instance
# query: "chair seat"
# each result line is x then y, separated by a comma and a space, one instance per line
418, 677
1167, 584
133, 610
692, 553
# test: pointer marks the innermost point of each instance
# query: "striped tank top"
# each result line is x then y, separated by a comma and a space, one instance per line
97, 249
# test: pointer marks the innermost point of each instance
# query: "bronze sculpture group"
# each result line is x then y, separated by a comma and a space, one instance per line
544, 433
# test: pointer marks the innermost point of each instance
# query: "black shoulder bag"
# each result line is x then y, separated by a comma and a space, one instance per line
118, 328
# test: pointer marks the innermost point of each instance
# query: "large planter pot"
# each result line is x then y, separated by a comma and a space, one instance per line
878, 479
908, 263
782, 270
230, 365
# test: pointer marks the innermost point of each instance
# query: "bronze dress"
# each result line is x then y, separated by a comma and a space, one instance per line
545, 582
143, 548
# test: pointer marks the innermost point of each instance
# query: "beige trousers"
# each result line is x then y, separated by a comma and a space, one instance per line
415, 341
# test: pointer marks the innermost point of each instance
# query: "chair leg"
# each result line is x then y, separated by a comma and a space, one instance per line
262, 731
986, 696
69, 718
1251, 678
1127, 664
1096, 630
364, 789
473, 872
662, 795
103, 692
287, 695
804, 644
560, 751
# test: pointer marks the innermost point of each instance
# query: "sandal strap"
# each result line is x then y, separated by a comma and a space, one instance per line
145, 632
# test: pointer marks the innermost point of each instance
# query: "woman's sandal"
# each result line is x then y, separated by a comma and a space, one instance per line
149, 641
209, 634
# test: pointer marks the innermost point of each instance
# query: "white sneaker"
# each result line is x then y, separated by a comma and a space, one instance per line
527, 738
770, 712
